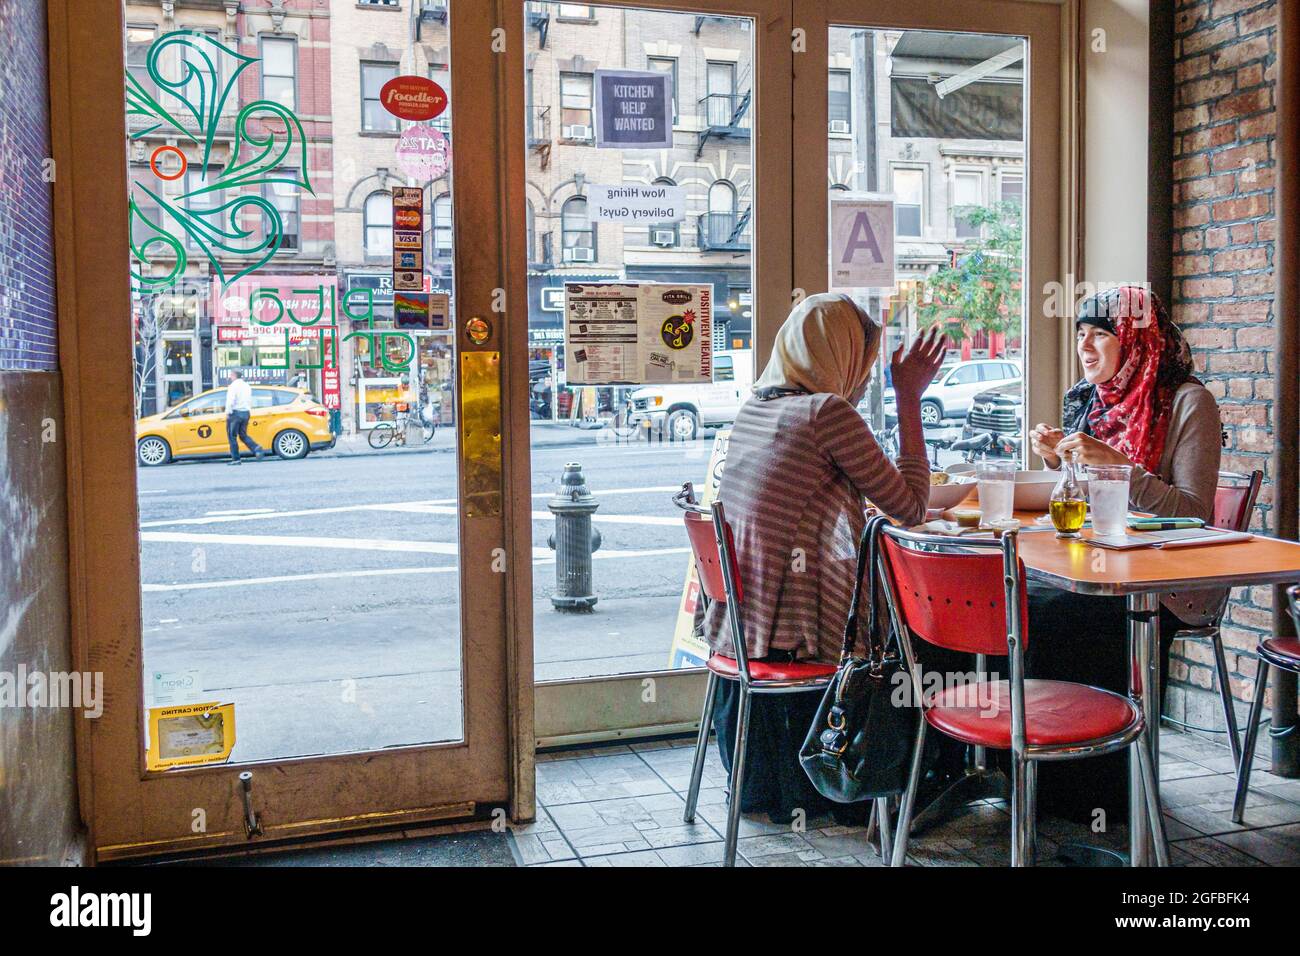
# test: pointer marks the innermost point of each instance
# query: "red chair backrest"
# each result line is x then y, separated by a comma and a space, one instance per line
708, 561
1233, 504
955, 601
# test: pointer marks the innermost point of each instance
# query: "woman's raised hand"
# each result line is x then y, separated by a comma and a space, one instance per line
1043, 439
914, 369
1091, 451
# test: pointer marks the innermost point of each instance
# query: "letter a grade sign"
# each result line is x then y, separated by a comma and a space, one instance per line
862, 244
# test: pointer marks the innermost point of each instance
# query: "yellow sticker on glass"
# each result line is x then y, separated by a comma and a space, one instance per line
188, 735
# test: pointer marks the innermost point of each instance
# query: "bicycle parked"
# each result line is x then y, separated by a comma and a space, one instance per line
403, 426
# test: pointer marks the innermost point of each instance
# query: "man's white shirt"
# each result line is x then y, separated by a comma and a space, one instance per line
239, 396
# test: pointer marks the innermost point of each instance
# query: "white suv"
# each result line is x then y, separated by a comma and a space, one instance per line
954, 387
681, 411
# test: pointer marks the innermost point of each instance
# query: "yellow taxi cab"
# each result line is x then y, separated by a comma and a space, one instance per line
287, 421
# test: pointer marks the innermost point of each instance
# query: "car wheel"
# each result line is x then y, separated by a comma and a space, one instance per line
931, 412
291, 444
153, 451
683, 425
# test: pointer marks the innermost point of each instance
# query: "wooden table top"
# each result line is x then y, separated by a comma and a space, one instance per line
1079, 566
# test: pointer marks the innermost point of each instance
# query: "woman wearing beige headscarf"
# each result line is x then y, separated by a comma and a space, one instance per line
800, 463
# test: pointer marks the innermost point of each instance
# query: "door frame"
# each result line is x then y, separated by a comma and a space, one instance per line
129, 811
588, 709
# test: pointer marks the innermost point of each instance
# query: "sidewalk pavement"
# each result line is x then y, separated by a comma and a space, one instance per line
543, 435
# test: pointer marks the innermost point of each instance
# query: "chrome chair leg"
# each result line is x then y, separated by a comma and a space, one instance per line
871, 827
737, 777
886, 834
1019, 811
1248, 745
1225, 696
1031, 812
1151, 787
701, 746
903, 830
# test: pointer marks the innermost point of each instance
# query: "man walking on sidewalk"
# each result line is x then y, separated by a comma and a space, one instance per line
239, 406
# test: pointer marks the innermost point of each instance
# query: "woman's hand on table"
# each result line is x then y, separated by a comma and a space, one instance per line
1043, 439
1090, 451
914, 370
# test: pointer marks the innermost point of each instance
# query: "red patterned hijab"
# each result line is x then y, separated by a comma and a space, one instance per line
1131, 412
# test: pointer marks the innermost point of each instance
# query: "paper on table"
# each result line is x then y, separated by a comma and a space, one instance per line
1181, 538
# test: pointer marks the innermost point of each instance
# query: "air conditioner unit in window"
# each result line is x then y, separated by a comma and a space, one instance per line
839, 126
579, 254
576, 132
663, 237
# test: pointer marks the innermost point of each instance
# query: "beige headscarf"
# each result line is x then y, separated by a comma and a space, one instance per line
826, 344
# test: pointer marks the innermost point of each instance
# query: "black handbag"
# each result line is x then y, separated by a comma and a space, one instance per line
860, 743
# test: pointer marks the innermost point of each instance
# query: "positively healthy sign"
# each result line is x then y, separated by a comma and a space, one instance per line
634, 109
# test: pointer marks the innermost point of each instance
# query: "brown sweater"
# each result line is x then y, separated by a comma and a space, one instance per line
798, 468
1185, 486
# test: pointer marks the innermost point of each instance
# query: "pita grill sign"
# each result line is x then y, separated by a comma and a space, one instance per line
413, 98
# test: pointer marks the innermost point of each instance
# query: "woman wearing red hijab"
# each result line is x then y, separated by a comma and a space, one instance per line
1137, 404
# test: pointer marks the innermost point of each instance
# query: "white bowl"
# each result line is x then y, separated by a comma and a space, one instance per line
1034, 489
950, 495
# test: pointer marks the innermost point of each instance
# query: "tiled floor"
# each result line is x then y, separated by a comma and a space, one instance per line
622, 806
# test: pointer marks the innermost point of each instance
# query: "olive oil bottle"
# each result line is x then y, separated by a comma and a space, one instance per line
1069, 505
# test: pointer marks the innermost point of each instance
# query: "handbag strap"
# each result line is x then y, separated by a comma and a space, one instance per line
866, 565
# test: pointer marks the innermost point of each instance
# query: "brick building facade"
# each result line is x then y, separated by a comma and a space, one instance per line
1224, 228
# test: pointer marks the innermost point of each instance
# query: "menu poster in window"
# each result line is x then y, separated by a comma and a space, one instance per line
862, 244
408, 239
634, 109
638, 333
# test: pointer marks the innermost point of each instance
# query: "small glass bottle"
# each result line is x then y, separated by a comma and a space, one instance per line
1069, 505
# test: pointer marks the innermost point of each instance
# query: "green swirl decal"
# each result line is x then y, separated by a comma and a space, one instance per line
268, 137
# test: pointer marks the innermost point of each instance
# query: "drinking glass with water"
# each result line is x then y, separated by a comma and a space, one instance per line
1108, 498
997, 490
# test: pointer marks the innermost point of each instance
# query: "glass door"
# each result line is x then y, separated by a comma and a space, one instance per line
640, 194
318, 638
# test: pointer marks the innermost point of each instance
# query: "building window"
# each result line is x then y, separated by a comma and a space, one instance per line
279, 71
377, 3
284, 196
839, 113
576, 11
909, 201
575, 106
442, 231
378, 218
722, 197
138, 42
577, 231
440, 73
200, 203
530, 226
967, 192
1012, 188
666, 64
720, 82
668, 234
374, 118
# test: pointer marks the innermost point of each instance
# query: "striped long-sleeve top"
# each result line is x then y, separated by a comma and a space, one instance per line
797, 470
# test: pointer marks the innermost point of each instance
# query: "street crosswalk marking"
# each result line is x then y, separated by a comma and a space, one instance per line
548, 558
440, 506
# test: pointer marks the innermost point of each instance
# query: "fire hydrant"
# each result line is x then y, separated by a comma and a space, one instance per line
573, 541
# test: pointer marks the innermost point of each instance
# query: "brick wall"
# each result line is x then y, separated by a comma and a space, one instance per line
1224, 162
27, 329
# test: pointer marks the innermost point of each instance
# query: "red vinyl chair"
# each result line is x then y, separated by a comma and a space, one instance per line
1234, 503
715, 565
1283, 652
968, 595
